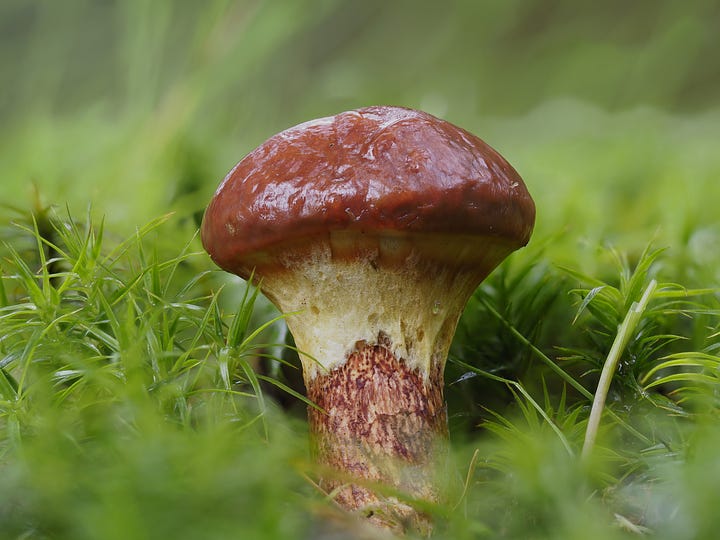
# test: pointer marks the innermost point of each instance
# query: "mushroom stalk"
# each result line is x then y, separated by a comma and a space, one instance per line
376, 330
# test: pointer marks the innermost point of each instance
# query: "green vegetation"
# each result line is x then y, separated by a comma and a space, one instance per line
144, 394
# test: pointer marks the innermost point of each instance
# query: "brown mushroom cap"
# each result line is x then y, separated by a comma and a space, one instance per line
373, 170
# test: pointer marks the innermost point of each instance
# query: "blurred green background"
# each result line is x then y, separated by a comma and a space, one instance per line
609, 110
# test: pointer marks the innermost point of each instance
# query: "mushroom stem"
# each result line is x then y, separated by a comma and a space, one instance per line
376, 330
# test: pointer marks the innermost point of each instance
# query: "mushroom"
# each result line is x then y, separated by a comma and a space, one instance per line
371, 229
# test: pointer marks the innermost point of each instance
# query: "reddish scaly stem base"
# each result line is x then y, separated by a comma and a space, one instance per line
383, 423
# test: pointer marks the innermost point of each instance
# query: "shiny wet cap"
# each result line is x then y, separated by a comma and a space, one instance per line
372, 170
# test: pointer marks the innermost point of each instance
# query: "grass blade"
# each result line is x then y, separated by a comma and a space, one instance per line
623, 336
